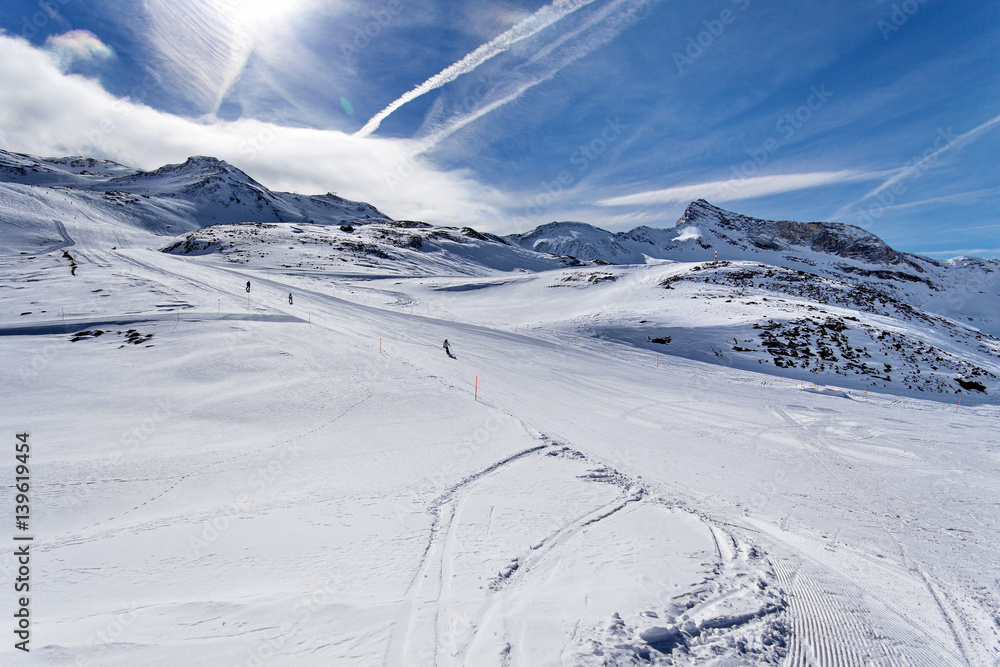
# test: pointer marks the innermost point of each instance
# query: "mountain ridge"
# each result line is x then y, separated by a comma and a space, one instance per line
110, 205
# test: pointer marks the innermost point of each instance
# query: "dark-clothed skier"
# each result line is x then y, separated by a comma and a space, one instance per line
289, 298
248, 286
447, 348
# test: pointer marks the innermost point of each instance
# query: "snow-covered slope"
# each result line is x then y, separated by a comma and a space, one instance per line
106, 204
30, 170
229, 478
397, 247
965, 288
745, 315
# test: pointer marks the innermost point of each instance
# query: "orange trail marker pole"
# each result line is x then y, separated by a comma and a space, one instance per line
380, 346
657, 361
959, 403
477, 389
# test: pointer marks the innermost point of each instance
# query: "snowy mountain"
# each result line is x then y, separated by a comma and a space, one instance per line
823, 298
705, 227
966, 289
120, 206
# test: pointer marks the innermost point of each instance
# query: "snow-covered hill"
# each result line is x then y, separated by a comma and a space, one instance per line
107, 204
396, 247
964, 288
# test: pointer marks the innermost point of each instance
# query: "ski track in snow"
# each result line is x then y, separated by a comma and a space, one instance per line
425, 589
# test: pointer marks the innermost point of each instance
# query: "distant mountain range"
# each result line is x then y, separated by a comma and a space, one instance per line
817, 297
206, 203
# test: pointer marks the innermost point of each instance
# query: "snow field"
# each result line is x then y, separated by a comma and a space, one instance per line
263, 486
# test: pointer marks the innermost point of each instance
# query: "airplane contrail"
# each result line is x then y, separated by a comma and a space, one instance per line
530, 26
921, 165
609, 26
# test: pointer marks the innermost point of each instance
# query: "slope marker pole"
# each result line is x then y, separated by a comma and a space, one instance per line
959, 403
380, 346
476, 397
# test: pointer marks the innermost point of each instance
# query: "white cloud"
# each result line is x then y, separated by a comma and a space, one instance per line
737, 188
76, 47
46, 112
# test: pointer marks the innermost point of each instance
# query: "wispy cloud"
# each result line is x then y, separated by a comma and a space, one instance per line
46, 112
78, 47
958, 198
738, 188
529, 27
201, 48
545, 63
918, 167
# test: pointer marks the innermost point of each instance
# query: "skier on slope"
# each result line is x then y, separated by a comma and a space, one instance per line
289, 298
248, 287
447, 348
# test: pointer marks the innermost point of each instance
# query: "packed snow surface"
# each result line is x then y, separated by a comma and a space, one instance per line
615, 466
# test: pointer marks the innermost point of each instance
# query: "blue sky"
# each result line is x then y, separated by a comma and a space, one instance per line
506, 115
